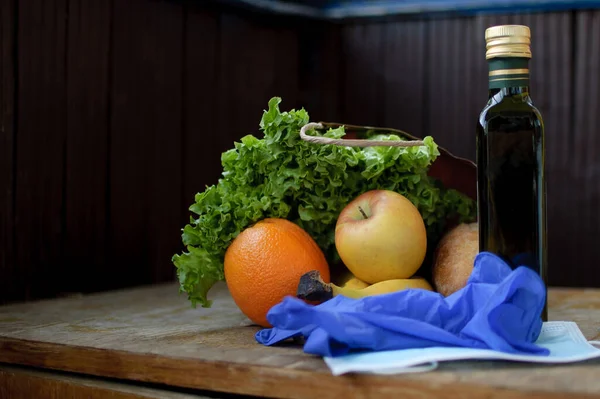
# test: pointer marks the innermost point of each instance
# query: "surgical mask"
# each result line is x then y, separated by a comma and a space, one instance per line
564, 340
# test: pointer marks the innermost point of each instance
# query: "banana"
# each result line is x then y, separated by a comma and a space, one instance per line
349, 280
313, 288
382, 287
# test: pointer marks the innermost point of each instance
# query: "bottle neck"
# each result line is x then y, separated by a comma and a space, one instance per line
509, 76
521, 91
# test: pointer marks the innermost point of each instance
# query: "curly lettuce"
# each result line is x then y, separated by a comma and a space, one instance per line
280, 175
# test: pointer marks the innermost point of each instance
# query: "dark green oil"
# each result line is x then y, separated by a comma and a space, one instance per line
511, 184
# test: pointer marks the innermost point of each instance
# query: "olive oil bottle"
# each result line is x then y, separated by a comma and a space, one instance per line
510, 157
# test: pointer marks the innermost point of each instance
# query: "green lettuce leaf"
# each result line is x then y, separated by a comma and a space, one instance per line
281, 175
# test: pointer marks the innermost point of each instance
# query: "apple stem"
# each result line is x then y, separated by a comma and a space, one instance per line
363, 212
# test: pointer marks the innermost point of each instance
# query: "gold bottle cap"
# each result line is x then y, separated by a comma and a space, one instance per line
508, 41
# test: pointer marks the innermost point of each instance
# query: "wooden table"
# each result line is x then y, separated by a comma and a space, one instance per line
119, 342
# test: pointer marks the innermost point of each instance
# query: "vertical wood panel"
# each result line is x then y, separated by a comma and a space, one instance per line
285, 54
40, 162
364, 74
403, 89
456, 83
145, 142
551, 88
321, 71
202, 158
583, 157
8, 290
87, 131
333, 75
246, 75
251, 71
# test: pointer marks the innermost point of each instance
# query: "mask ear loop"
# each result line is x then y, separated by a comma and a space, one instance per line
595, 343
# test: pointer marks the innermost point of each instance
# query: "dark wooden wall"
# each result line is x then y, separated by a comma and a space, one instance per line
114, 113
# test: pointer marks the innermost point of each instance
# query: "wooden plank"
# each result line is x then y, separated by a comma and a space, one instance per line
404, 74
20, 382
552, 78
252, 71
320, 70
201, 147
87, 144
456, 83
8, 272
151, 334
40, 146
286, 54
363, 71
579, 150
145, 141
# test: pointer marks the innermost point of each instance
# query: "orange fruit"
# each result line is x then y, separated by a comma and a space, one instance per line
264, 263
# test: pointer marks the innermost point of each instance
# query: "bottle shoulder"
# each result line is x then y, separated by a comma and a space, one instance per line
498, 106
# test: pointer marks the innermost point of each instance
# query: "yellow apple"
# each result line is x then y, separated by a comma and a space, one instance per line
380, 235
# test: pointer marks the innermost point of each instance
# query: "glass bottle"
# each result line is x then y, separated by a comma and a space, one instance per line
510, 157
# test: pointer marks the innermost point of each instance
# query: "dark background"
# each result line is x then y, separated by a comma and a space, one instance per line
114, 113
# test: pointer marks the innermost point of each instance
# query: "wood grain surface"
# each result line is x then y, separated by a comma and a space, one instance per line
39, 148
151, 334
145, 141
202, 145
8, 272
88, 37
22, 382
586, 164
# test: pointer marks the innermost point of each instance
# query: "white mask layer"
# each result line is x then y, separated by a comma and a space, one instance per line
564, 340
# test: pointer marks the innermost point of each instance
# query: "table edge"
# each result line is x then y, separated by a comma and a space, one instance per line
227, 377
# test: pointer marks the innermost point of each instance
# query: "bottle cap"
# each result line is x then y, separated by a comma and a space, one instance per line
508, 41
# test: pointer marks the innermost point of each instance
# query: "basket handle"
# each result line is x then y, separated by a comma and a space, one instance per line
353, 142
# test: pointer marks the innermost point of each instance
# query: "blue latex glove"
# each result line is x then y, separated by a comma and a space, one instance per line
498, 309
